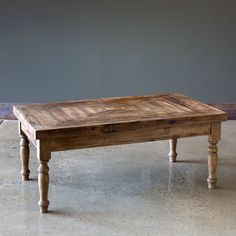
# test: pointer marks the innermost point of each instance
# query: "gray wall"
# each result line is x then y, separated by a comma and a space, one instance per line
61, 50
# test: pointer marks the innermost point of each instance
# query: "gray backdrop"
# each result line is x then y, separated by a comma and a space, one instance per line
64, 50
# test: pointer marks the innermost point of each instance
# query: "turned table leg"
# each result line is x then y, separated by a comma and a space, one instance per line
212, 163
173, 153
24, 155
212, 155
43, 154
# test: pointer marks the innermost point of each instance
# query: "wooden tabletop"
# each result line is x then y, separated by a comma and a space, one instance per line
165, 109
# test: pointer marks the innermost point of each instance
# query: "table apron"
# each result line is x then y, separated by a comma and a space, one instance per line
127, 136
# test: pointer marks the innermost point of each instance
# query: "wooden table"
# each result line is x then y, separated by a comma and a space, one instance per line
110, 121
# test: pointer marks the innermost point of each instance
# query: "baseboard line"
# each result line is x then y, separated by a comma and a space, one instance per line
229, 108
6, 112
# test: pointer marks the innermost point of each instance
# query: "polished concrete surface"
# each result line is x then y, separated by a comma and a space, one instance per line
121, 190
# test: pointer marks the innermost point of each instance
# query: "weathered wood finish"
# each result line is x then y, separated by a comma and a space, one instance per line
69, 118
6, 110
172, 153
127, 136
24, 154
43, 155
213, 139
112, 121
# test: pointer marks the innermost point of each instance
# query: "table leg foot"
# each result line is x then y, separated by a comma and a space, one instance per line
211, 183
43, 206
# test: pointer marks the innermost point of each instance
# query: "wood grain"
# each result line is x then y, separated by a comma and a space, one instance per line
143, 134
213, 139
24, 154
112, 121
6, 110
172, 153
70, 118
43, 155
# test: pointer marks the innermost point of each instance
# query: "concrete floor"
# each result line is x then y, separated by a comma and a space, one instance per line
121, 190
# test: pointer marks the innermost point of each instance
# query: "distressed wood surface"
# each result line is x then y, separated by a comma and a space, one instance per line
111, 121
127, 136
43, 155
24, 154
213, 139
173, 153
6, 110
68, 118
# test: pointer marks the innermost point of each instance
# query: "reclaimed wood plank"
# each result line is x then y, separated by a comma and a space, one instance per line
164, 109
147, 134
6, 110
113, 121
